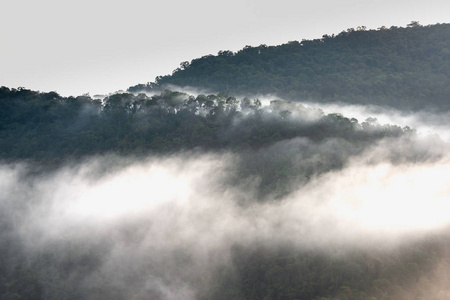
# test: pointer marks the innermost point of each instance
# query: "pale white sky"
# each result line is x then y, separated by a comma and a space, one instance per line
99, 46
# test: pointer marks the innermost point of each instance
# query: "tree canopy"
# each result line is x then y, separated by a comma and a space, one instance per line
405, 68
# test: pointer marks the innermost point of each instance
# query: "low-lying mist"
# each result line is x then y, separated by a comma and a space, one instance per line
173, 196
425, 121
160, 228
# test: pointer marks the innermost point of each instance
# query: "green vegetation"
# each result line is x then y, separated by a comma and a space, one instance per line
46, 127
280, 143
404, 68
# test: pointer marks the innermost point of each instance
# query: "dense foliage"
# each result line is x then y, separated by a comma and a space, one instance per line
280, 143
46, 126
405, 68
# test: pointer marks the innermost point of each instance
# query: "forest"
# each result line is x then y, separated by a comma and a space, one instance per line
404, 68
244, 192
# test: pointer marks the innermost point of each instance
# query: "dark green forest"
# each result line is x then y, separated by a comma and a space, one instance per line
276, 148
50, 130
405, 68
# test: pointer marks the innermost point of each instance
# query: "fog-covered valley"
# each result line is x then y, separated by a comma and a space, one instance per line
294, 202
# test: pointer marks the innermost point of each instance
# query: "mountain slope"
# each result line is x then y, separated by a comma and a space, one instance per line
405, 68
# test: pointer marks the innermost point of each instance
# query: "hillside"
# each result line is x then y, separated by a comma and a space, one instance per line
405, 68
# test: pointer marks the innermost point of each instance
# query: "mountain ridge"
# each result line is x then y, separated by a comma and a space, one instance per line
401, 67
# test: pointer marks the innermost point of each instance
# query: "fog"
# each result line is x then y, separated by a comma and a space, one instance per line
161, 227
427, 122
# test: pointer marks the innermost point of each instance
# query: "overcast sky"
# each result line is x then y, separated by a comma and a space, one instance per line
99, 46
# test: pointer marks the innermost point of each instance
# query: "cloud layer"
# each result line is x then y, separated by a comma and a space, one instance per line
161, 227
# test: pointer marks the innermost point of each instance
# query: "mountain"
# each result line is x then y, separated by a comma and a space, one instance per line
405, 68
